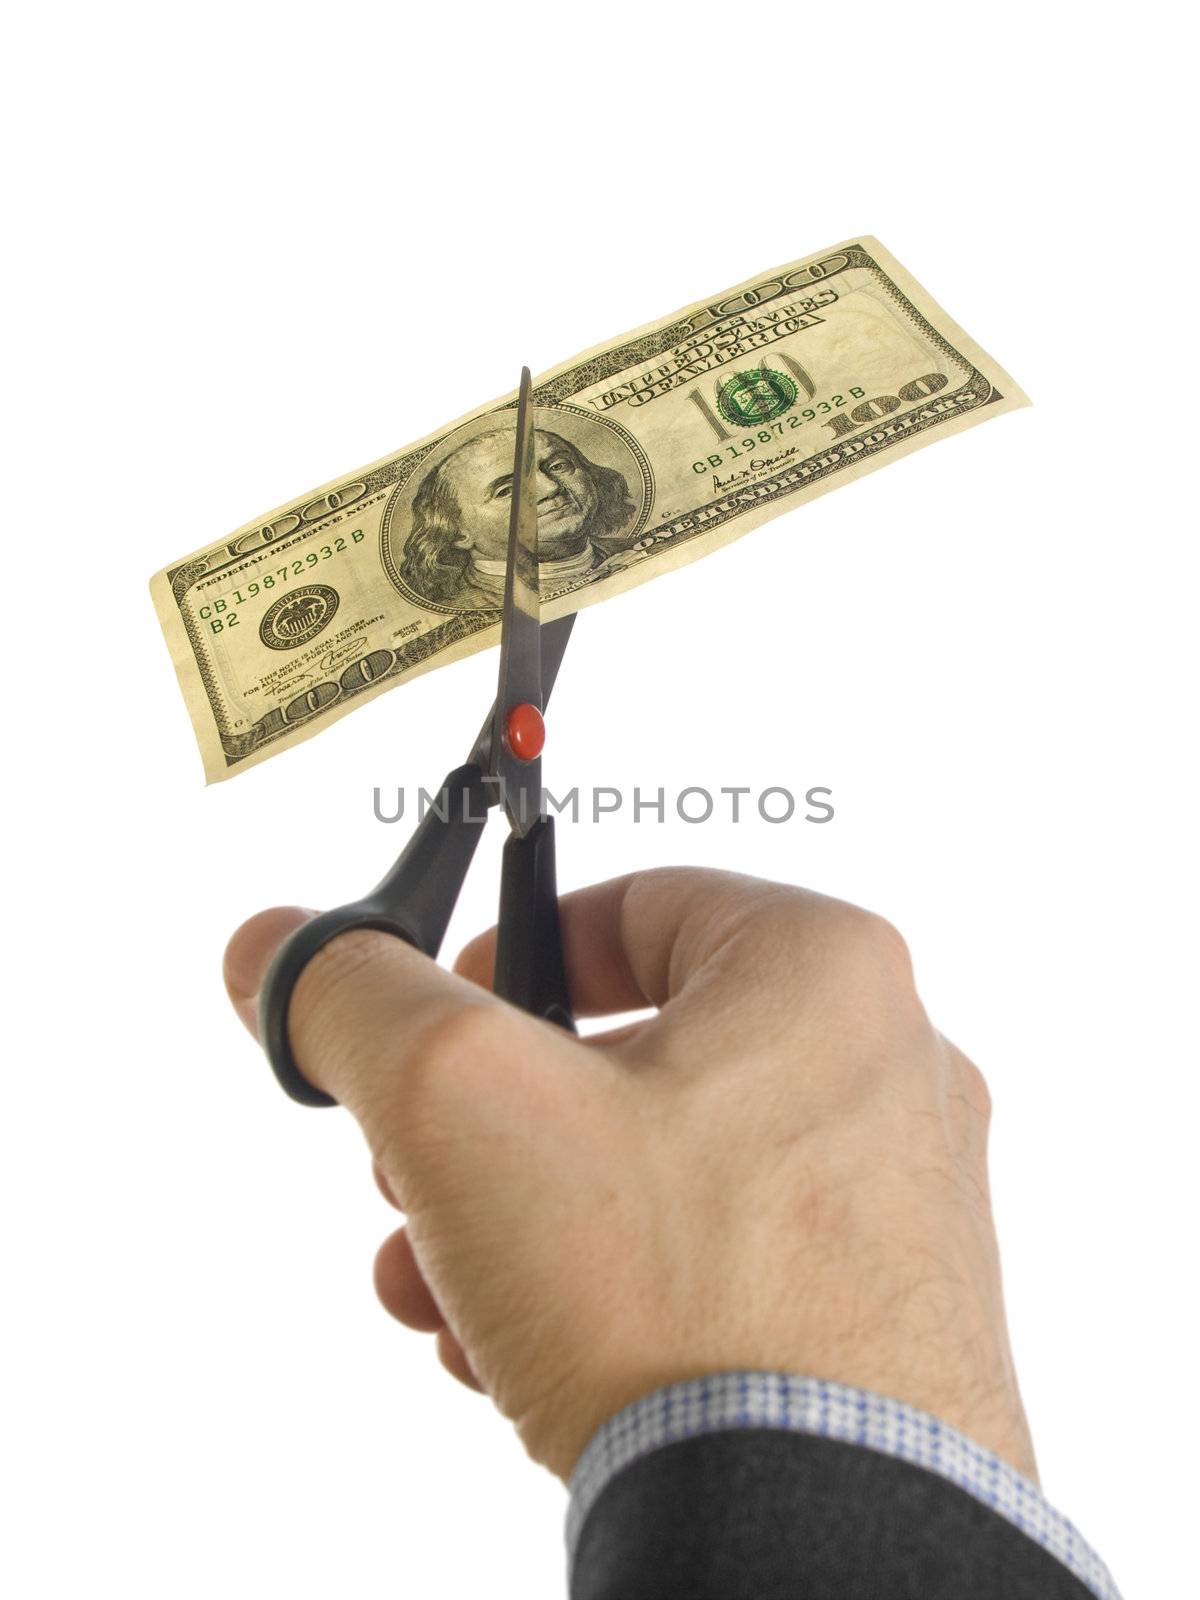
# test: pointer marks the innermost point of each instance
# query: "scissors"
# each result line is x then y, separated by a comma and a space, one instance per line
415, 900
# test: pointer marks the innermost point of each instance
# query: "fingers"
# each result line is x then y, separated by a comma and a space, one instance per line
634, 941
403, 1292
401, 1286
453, 1358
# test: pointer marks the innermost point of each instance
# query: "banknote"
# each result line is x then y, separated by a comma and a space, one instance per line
652, 450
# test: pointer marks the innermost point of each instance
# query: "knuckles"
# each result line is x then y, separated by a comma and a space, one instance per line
880, 946
843, 943
779, 940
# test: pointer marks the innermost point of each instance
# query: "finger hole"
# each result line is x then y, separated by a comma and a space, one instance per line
248, 955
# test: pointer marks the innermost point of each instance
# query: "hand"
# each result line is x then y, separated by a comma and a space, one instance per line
783, 1169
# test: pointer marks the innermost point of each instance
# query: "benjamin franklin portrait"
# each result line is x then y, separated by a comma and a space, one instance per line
453, 551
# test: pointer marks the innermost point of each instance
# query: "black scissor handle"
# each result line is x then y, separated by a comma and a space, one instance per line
529, 957
414, 903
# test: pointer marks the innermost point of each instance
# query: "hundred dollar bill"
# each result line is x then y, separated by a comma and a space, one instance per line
652, 450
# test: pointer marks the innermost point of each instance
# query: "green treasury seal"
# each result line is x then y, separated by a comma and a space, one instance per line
749, 399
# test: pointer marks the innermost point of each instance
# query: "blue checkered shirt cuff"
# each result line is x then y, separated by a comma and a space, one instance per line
832, 1411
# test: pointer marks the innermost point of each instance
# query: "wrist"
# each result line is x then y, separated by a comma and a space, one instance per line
979, 1398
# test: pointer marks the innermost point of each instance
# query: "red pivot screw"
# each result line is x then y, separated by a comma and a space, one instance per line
525, 732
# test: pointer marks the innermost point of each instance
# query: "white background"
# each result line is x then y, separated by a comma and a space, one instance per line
254, 246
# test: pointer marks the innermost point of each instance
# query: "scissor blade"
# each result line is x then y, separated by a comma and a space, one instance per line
521, 634
554, 643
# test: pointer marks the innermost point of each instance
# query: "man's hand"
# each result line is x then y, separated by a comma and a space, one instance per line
783, 1169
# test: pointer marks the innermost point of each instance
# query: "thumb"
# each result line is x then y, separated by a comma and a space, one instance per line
420, 1057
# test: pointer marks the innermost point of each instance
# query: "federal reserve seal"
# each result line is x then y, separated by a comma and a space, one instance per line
749, 399
299, 616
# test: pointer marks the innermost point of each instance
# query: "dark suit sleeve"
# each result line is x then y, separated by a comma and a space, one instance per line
687, 1495
755, 1514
